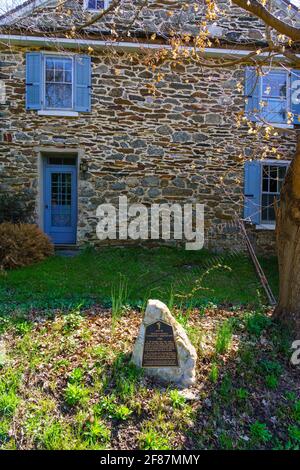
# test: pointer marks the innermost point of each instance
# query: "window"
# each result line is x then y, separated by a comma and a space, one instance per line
263, 182
274, 100
95, 5
272, 180
268, 97
58, 84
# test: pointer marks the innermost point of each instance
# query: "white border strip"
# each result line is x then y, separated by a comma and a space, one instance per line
99, 44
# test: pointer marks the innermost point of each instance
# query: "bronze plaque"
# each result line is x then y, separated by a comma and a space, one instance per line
159, 346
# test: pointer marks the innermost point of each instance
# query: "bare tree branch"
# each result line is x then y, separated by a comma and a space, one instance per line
114, 4
255, 7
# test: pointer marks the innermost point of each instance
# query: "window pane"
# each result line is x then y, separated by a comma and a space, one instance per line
274, 110
49, 75
96, 4
58, 76
61, 199
273, 179
58, 95
68, 77
265, 178
274, 85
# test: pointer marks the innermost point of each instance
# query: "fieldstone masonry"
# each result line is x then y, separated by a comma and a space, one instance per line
179, 145
185, 374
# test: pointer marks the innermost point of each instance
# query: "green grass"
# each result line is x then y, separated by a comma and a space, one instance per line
96, 276
62, 388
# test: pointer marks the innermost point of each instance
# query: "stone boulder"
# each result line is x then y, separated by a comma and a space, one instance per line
184, 373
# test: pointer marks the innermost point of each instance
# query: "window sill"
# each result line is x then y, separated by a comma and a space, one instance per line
48, 112
282, 126
265, 227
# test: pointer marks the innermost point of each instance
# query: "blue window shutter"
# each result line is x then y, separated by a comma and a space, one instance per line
252, 93
252, 191
295, 95
82, 83
33, 80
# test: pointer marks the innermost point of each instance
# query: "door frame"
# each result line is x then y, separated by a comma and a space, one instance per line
45, 154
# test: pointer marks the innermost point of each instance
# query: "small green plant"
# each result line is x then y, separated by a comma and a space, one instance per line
257, 322
8, 403
177, 400
225, 441
72, 320
214, 373
260, 433
242, 394
226, 388
22, 327
53, 437
183, 318
271, 381
270, 367
76, 376
150, 439
106, 406
122, 412
119, 296
96, 432
126, 376
171, 300
224, 337
74, 394
294, 434
296, 411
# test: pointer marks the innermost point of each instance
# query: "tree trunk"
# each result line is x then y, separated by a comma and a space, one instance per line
288, 246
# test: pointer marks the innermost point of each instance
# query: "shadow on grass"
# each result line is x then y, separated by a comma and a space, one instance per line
250, 397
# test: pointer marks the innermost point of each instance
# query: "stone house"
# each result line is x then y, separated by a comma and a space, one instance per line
81, 125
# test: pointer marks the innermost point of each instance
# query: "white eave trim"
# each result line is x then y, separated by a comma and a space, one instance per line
22, 10
99, 44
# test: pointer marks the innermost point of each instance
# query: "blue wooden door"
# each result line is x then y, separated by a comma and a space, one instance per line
60, 203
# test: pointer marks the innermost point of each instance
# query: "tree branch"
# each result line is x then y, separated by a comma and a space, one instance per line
255, 7
99, 16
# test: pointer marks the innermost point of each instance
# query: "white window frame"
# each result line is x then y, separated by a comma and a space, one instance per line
106, 5
270, 162
56, 111
56, 56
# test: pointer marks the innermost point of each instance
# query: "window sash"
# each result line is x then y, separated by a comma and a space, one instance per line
55, 83
96, 5
277, 106
268, 195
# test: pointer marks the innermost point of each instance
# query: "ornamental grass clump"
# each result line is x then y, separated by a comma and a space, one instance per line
22, 244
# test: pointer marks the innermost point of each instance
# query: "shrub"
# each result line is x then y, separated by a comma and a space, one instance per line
16, 207
22, 244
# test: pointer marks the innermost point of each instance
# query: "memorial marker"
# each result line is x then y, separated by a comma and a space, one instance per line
159, 346
163, 349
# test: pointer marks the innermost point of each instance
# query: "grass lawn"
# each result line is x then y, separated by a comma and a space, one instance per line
166, 273
67, 328
66, 382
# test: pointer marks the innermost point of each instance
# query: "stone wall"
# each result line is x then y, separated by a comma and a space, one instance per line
162, 17
181, 145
